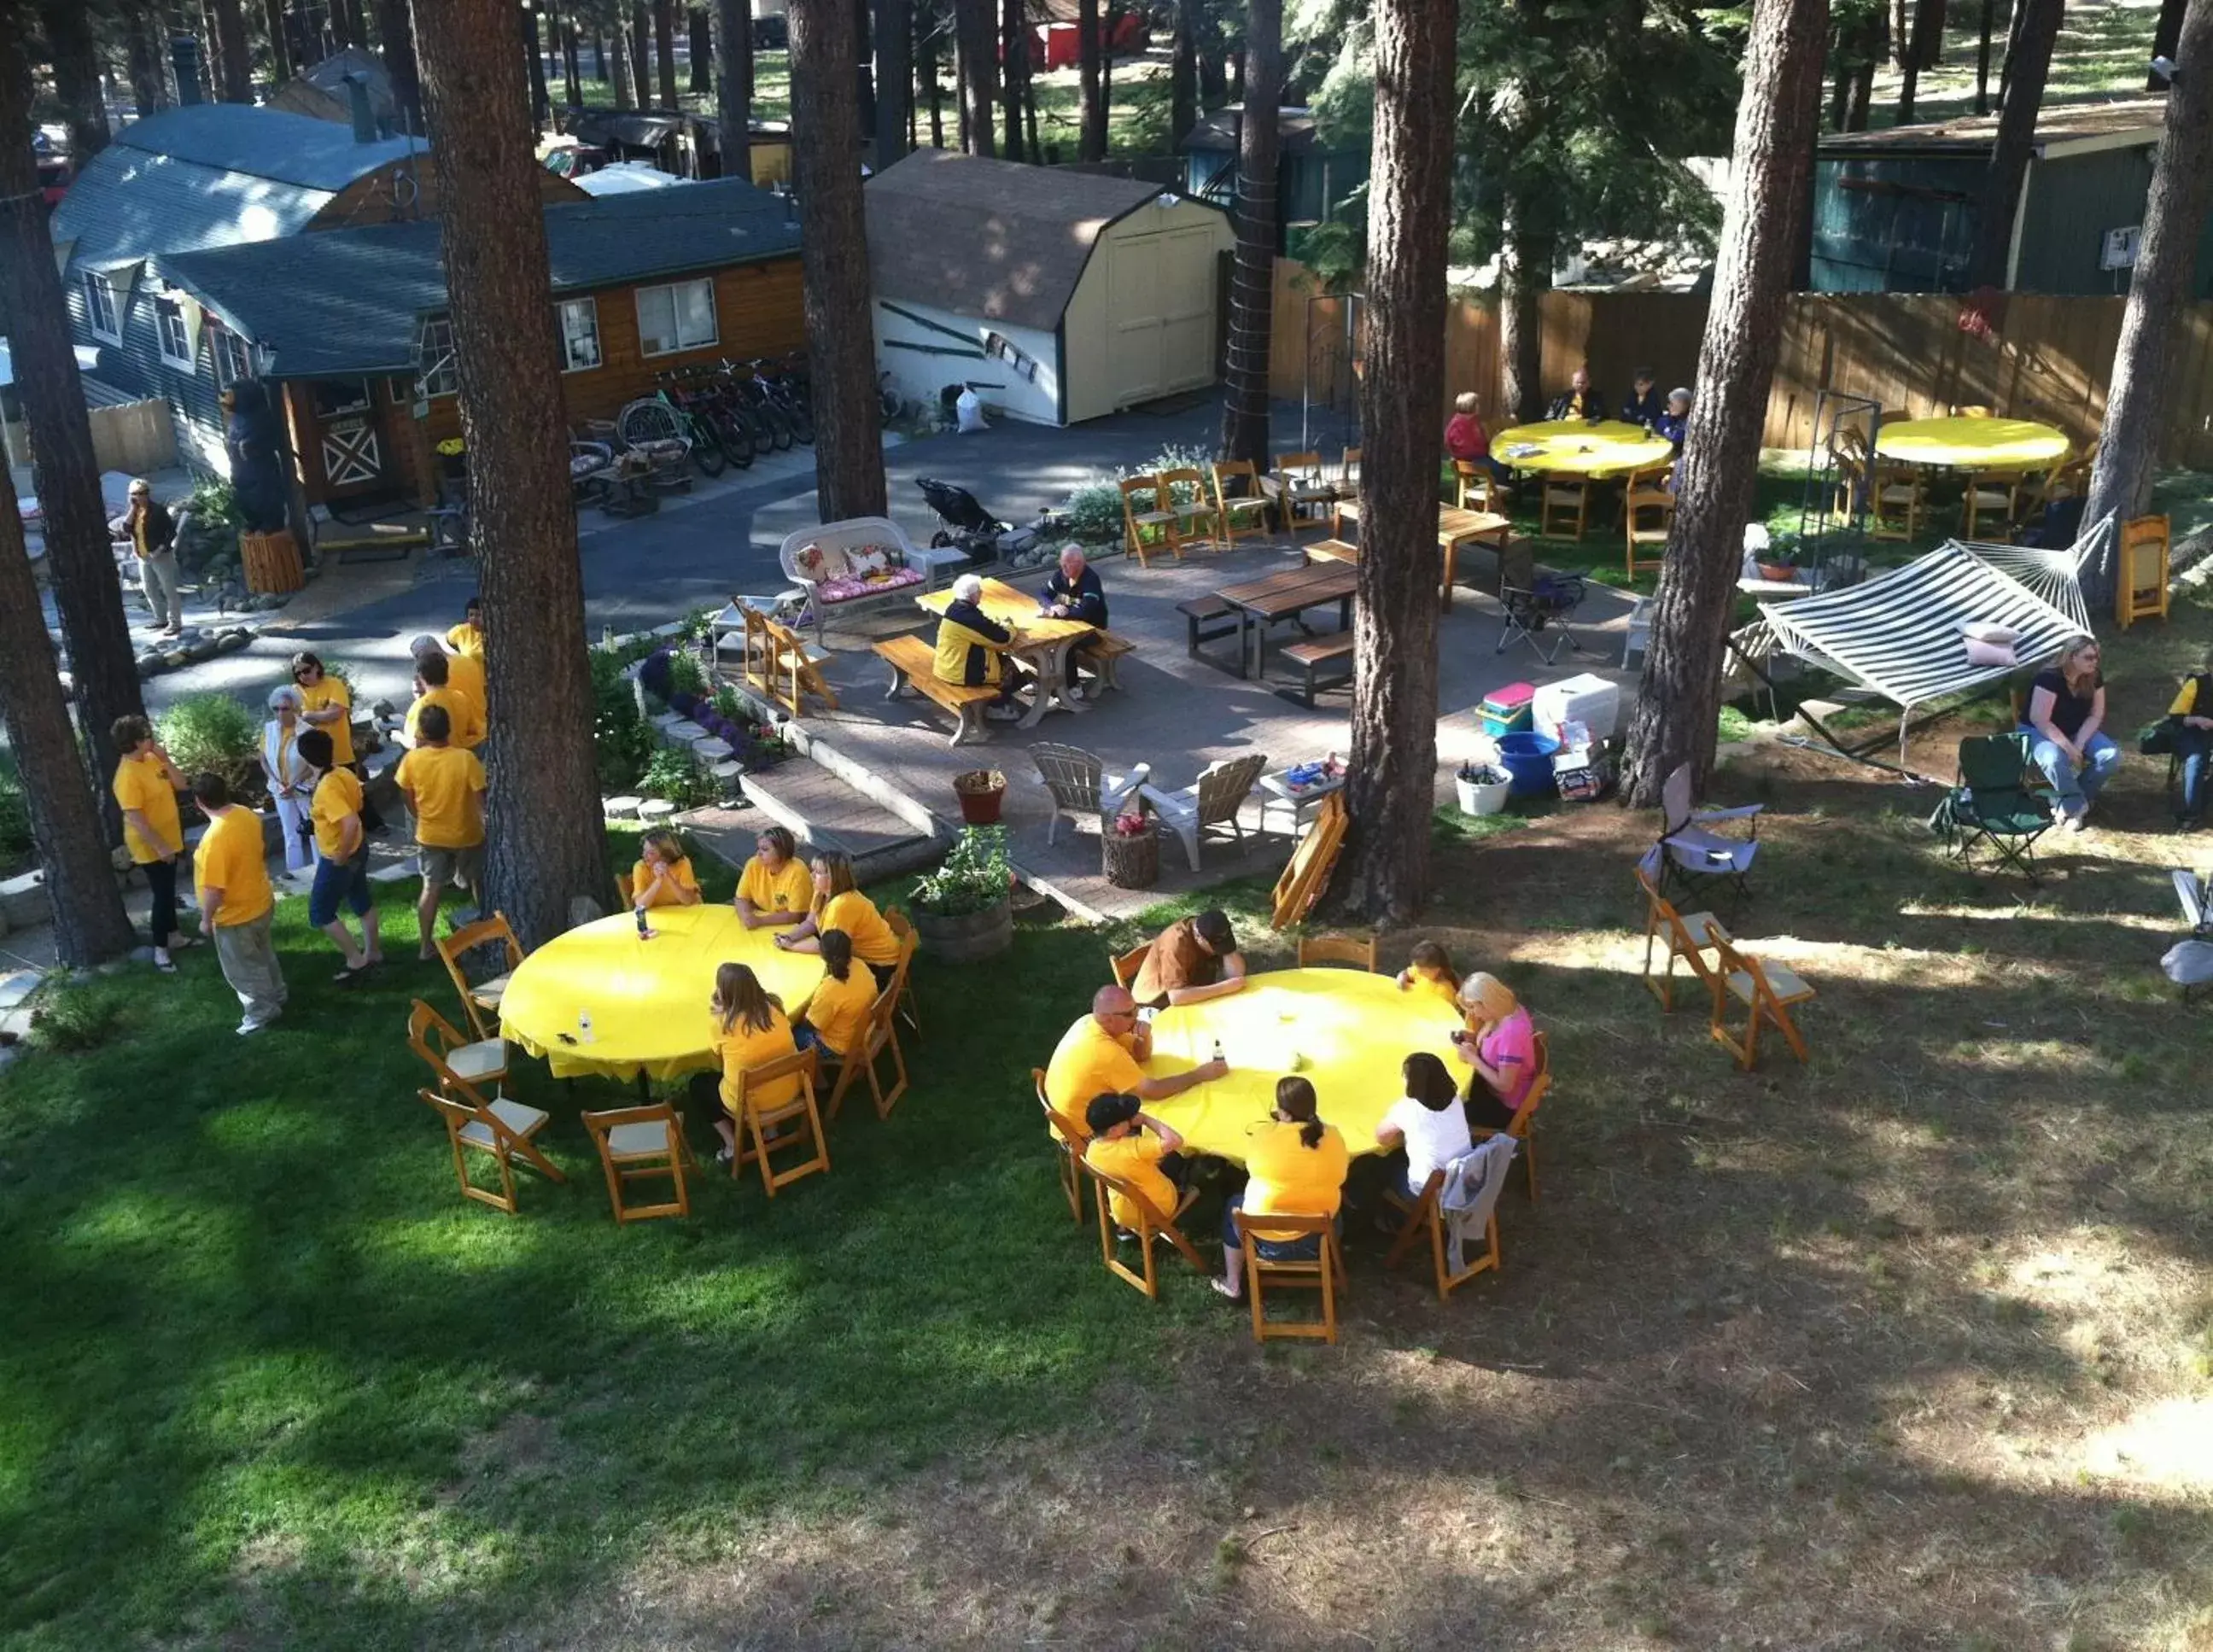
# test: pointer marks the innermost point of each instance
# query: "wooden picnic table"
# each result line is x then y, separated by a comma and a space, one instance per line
1260, 603
1040, 643
1456, 526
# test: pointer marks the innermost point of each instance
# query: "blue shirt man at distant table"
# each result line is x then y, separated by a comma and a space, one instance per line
1075, 593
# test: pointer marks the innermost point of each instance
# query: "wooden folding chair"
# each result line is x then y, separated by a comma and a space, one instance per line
1541, 1086
642, 1144
1185, 492
625, 887
1151, 1221
1689, 936
1646, 515
1986, 496
1241, 509
1895, 498
878, 1036
759, 1123
787, 670
1424, 1216
1158, 520
1566, 505
499, 1128
1326, 1273
896, 919
1298, 483
1337, 949
1068, 1139
1849, 463
451, 1055
1348, 488
1125, 967
2144, 553
1767, 991
481, 999
1474, 488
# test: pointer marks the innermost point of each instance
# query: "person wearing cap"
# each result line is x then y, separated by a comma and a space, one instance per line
291, 783
972, 648
152, 534
1103, 1052
1581, 399
1671, 425
1499, 1044
1133, 1146
1193, 959
1074, 591
1643, 406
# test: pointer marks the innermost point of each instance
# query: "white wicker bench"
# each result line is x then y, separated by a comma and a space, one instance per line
820, 561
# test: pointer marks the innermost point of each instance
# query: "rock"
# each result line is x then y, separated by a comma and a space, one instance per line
80, 977
150, 662
583, 910
203, 649
231, 641
142, 954
23, 901
176, 657
14, 989
115, 965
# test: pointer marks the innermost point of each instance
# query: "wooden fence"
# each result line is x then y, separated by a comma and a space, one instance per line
2049, 361
134, 437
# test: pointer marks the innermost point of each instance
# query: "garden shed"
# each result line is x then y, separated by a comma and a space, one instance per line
1058, 295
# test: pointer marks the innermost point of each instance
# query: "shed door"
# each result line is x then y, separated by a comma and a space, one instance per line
1161, 290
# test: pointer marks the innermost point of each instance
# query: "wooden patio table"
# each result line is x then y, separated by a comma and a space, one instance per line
1456, 526
1041, 643
1261, 602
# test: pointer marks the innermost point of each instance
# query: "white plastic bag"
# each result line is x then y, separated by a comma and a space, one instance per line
968, 408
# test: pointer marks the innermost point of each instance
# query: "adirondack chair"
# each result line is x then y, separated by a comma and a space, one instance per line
1080, 787
1219, 792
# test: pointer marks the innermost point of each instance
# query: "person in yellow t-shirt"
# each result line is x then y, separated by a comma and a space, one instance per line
231, 872
146, 787
327, 704
837, 1012
341, 857
1133, 1146
468, 636
464, 676
839, 905
662, 876
1104, 1052
1295, 1166
1429, 971
751, 1030
775, 889
444, 788
433, 687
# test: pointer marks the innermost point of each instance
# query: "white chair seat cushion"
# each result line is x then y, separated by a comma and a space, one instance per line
516, 1117
1781, 980
489, 993
638, 1141
479, 1060
1703, 928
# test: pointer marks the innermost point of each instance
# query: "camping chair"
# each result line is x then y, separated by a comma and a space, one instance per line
1186, 494
642, 1144
500, 1128
1685, 845
1325, 1274
1126, 967
1541, 1086
1484, 1167
1545, 603
1766, 991
902, 929
1240, 512
1337, 949
2140, 590
2189, 962
1566, 501
482, 998
1068, 1139
1081, 787
761, 1124
1689, 936
1150, 1222
452, 1057
1221, 791
878, 1036
1296, 485
1157, 521
1997, 802
1637, 504
1895, 500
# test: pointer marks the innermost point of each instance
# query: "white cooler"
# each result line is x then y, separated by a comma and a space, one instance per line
1588, 699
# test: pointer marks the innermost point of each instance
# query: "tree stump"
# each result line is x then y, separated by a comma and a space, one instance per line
271, 561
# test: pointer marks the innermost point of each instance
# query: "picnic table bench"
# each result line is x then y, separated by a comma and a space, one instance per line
913, 660
1102, 651
1322, 663
1262, 602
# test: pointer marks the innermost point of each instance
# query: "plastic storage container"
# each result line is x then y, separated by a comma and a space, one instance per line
1505, 710
1590, 700
1528, 758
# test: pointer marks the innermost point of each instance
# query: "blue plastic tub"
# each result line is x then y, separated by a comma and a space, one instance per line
1528, 758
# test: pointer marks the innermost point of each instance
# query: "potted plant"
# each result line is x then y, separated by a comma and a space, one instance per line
1779, 561
981, 792
963, 910
1130, 851
1482, 788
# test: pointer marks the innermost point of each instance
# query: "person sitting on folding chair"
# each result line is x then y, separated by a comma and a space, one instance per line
2066, 707
1428, 1122
2190, 719
1296, 1166
1130, 1145
1499, 1044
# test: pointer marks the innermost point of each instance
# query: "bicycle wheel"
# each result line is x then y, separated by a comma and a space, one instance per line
887, 402
737, 436
801, 417
771, 418
707, 449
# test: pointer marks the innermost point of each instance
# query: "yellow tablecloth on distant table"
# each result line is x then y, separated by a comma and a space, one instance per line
1352, 1028
1973, 444
1573, 447
648, 999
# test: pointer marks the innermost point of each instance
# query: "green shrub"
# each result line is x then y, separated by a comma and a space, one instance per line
1095, 512
212, 503
677, 776
622, 744
685, 675
973, 876
71, 1018
212, 733
15, 843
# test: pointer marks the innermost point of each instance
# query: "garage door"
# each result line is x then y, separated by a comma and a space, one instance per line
1161, 291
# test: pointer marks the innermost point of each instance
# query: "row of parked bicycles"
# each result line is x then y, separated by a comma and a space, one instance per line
725, 414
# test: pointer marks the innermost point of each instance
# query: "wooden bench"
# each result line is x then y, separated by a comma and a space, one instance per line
913, 661
1103, 654
1201, 617
1333, 551
1325, 662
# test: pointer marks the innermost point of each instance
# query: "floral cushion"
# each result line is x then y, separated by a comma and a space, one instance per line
818, 562
845, 589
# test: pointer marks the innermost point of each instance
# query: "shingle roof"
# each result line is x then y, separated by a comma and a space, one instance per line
2058, 128
347, 302
995, 239
287, 149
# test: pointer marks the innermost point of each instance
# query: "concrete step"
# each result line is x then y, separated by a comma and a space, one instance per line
823, 810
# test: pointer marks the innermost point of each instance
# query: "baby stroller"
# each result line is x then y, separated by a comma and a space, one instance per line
970, 527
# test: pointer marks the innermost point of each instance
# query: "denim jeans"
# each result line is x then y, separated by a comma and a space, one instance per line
2077, 788
2195, 748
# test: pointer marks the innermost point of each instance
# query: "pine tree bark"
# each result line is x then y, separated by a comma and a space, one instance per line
1014, 70
1524, 276
927, 57
572, 77
1090, 64
1984, 29
64, 474
849, 450
280, 47
1393, 790
533, 46
664, 51
395, 34
145, 58
1252, 286
1678, 700
703, 51
234, 63
2009, 153
734, 86
895, 79
622, 85
89, 927
2165, 40
2145, 359
973, 19
1183, 78
641, 55
74, 57
544, 841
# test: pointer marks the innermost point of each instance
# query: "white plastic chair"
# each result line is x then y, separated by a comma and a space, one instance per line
1686, 845
1222, 790
1080, 786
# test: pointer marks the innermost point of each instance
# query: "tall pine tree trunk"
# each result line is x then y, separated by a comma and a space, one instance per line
1183, 78
234, 62
346, 27
734, 86
145, 58
926, 63
849, 449
1392, 792
1090, 67
974, 21
533, 45
641, 55
1678, 701
2145, 359
280, 50
1014, 70
664, 50
64, 474
624, 85
1984, 26
1252, 288
895, 79
545, 843
1524, 276
75, 59
395, 35
572, 77
697, 20
2010, 154
2165, 40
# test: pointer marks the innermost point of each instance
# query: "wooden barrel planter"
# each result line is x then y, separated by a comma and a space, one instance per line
271, 562
968, 936
1131, 861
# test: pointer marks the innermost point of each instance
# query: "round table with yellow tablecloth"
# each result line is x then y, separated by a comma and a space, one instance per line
647, 998
1972, 444
1343, 1031
1574, 446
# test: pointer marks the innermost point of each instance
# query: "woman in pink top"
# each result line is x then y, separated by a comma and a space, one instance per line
1466, 440
1500, 1044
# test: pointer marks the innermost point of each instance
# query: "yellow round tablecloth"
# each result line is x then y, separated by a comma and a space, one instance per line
648, 999
1574, 447
1973, 444
1352, 1028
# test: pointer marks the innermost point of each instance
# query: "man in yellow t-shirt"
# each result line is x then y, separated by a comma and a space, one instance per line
341, 858
231, 872
468, 636
444, 787
465, 675
433, 687
146, 787
1102, 1053
1133, 1146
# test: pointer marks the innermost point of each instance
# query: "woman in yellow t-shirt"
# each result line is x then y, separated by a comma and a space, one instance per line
1429, 970
775, 889
836, 1014
663, 877
839, 905
750, 1031
1295, 1165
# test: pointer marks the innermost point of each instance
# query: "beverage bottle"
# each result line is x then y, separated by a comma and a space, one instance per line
584, 1025
1217, 1050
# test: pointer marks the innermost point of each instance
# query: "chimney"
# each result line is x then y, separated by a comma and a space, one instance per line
364, 116
185, 57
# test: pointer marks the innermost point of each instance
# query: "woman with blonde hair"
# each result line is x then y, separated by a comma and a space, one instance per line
2066, 712
751, 1030
839, 905
1499, 1044
663, 875
291, 780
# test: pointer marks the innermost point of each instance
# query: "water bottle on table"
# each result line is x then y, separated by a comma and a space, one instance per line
584, 1026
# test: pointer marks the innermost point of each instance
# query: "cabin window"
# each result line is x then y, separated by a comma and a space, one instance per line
681, 316
434, 349
233, 358
100, 307
175, 340
580, 334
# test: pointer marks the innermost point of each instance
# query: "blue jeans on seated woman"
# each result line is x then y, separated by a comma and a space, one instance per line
1269, 1250
2194, 747
2077, 788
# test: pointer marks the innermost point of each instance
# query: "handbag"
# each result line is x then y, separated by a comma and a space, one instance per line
2156, 739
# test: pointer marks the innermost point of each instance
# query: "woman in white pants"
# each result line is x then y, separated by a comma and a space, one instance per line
291, 781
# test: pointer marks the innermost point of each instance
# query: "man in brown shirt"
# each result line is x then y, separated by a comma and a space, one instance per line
1192, 960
